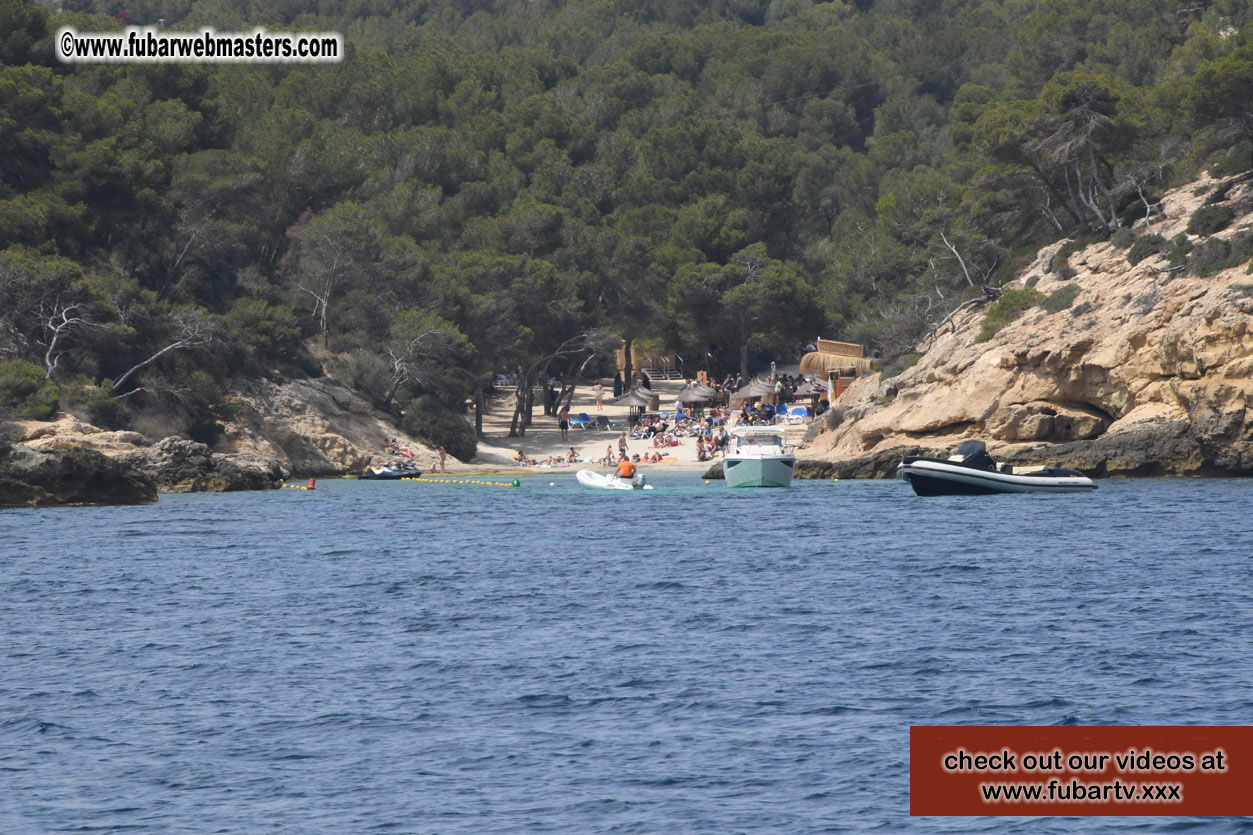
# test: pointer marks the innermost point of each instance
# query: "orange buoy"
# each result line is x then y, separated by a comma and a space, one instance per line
311, 485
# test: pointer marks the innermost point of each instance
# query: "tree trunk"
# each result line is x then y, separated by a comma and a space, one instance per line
517, 429
626, 372
479, 408
1056, 194
568, 381
744, 352
391, 394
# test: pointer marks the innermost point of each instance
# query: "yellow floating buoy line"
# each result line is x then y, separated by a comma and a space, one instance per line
475, 482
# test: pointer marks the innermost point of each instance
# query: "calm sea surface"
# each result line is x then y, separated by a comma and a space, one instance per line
399, 657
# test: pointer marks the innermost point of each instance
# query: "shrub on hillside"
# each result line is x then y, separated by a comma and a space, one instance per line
1123, 238
1144, 247
92, 403
899, 365
1235, 160
1006, 309
439, 422
1215, 255
1060, 299
1210, 219
26, 392
367, 373
1060, 264
1179, 250
263, 332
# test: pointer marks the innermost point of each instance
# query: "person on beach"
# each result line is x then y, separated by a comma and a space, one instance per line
563, 421
573, 456
443, 455
599, 391
622, 443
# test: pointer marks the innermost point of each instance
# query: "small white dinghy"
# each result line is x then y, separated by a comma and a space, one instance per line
600, 481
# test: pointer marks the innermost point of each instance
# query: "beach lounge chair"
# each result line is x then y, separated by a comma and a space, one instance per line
580, 422
604, 423
799, 414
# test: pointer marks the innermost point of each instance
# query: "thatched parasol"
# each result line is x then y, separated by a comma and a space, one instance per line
701, 388
632, 398
636, 400
823, 364
757, 388
806, 389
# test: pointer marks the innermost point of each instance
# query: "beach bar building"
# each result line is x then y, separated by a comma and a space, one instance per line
839, 363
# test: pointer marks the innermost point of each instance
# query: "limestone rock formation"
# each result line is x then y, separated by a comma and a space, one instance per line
307, 427
313, 427
182, 466
1147, 372
35, 478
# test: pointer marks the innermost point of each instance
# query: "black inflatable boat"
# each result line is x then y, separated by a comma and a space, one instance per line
971, 472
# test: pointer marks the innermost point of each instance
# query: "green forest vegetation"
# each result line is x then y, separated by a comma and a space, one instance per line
513, 186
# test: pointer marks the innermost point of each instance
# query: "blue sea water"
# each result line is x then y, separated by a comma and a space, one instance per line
401, 657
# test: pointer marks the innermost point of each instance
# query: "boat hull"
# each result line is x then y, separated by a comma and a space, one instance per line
600, 481
755, 471
940, 478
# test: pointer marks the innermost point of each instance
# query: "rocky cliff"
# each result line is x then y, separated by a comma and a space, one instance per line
311, 427
1148, 371
302, 427
34, 478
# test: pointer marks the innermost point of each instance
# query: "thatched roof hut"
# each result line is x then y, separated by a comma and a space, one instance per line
836, 357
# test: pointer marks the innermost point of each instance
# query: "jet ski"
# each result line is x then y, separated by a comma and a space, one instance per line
590, 478
391, 472
970, 471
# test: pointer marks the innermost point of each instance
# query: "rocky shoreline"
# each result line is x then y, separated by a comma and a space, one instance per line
30, 478
299, 428
1143, 371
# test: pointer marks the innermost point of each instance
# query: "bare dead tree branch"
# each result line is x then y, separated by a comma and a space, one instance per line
195, 332
59, 322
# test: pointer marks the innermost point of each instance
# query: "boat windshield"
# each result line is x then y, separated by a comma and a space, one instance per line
762, 439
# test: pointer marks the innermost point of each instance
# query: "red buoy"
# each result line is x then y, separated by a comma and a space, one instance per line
310, 487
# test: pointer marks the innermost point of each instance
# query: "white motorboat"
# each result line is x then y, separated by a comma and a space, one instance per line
601, 481
759, 457
970, 471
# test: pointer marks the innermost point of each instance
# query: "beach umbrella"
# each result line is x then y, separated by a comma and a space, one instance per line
757, 388
806, 389
637, 401
691, 396
632, 398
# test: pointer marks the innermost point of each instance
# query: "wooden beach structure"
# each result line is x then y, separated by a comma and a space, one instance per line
839, 363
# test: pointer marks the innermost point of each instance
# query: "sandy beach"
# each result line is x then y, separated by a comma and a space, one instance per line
543, 437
